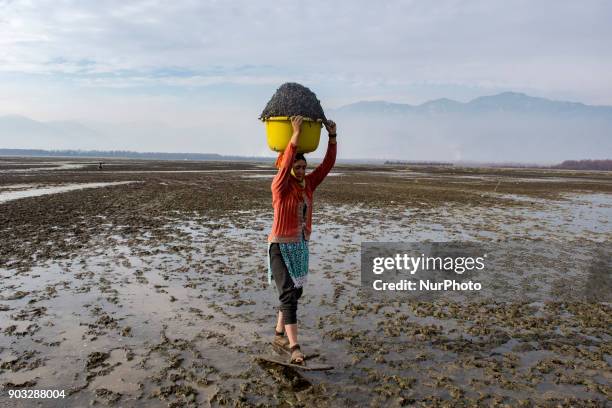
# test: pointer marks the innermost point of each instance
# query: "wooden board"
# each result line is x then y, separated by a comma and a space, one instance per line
308, 366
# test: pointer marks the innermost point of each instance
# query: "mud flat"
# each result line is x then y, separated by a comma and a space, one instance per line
154, 293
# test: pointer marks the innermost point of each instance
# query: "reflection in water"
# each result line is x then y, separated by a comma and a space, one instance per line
34, 192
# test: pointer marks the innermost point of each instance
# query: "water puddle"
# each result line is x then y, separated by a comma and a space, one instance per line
35, 192
55, 166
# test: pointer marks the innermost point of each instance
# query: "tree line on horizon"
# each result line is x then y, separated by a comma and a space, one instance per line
587, 164
605, 165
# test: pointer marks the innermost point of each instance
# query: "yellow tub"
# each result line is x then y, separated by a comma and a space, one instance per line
279, 131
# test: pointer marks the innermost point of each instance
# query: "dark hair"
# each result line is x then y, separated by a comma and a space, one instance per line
299, 156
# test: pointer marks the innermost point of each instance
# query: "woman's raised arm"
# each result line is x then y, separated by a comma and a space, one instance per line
281, 180
318, 175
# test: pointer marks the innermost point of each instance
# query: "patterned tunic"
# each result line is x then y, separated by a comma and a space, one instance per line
295, 256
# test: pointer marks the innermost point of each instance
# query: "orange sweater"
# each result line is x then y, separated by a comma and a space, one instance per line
288, 197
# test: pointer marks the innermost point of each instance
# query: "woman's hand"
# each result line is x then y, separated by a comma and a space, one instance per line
296, 122
330, 125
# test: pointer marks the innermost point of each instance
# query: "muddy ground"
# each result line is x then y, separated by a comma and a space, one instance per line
154, 293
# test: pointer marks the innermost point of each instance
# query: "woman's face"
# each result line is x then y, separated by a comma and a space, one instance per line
299, 168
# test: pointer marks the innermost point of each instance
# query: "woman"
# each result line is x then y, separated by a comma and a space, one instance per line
292, 195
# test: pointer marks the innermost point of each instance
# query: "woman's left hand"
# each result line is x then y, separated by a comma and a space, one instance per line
330, 125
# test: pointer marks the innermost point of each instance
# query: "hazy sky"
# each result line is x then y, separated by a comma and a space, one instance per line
206, 63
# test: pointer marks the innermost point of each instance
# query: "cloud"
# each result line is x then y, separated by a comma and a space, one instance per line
174, 60
399, 41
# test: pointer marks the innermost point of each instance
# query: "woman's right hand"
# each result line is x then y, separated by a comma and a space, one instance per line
296, 122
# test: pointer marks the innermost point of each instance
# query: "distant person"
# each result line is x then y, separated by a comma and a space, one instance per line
100, 166
292, 199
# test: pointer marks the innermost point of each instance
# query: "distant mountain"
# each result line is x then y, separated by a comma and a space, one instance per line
521, 103
16, 130
605, 165
507, 127
443, 105
507, 102
19, 124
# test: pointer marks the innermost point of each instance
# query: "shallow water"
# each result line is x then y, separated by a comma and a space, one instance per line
35, 192
56, 166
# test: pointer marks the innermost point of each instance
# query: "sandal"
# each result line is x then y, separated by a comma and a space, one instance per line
280, 339
297, 357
